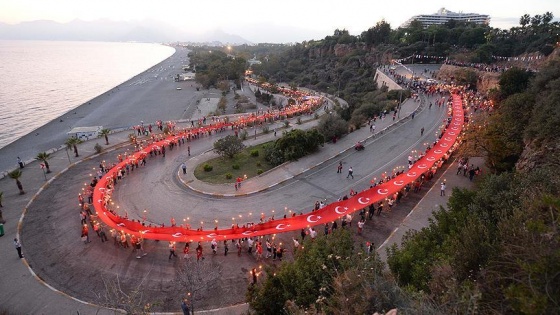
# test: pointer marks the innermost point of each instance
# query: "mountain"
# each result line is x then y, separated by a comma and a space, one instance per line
108, 30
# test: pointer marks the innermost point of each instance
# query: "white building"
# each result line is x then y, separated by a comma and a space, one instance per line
443, 15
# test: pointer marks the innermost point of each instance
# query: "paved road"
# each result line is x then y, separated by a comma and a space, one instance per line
382, 154
50, 232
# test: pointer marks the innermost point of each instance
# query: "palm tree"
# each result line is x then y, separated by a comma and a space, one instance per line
43, 157
71, 143
1, 216
105, 133
16, 174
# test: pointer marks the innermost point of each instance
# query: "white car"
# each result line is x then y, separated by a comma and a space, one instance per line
179, 88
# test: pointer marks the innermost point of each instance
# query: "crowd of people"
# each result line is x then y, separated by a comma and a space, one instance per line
250, 245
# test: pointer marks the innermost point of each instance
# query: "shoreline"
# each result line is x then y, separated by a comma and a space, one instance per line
51, 136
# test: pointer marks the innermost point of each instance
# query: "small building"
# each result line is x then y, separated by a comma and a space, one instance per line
85, 133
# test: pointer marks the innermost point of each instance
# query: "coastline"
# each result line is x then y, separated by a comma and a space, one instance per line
118, 107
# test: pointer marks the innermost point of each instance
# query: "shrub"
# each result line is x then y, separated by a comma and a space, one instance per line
208, 167
243, 135
298, 121
259, 171
258, 164
235, 166
332, 125
229, 176
266, 129
98, 148
286, 123
255, 152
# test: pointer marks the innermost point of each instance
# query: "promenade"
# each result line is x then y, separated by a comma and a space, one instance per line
45, 239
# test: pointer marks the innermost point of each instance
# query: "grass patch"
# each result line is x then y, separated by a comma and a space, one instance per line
249, 165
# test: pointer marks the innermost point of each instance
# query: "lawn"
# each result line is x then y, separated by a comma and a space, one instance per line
248, 165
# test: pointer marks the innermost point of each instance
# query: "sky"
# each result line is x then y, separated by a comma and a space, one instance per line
264, 20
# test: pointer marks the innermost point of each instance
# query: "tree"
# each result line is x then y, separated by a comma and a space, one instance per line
513, 81
72, 144
16, 174
1, 206
130, 301
228, 146
332, 125
524, 20
197, 277
44, 157
105, 133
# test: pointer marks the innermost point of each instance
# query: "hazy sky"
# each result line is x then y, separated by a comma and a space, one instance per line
268, 21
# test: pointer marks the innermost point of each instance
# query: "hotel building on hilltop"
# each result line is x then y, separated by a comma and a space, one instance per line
443, 15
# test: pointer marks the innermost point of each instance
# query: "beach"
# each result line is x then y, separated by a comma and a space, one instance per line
149, 96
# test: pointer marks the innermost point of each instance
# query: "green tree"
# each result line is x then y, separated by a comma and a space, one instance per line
302, 280
524, 20
228, 146
16, 174
72, 144
513, 81
332, 125
1, 206
44, 157
105, 133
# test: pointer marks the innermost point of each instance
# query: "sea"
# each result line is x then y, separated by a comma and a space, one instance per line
41, 80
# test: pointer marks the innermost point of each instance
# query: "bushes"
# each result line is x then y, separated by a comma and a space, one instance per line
259, 171
98, 148
208, 167
255, 152
229, 176
235, 166
293, 145
332, 126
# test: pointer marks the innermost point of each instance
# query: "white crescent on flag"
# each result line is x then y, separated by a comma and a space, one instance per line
363, 202
382, 191
310, 218
282, 226
340, 212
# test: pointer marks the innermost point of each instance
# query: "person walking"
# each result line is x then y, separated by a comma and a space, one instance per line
422, 131
185, 307
172, 250
339, 170
350, 173
199, 252
214, 246
85, 234
184, 168
20, 162
17, 244
442, 189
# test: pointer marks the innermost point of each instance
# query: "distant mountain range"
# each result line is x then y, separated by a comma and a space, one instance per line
108, 30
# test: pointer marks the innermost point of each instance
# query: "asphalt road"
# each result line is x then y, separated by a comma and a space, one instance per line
51, 230
156, 189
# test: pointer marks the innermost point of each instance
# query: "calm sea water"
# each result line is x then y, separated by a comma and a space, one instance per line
40, 80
